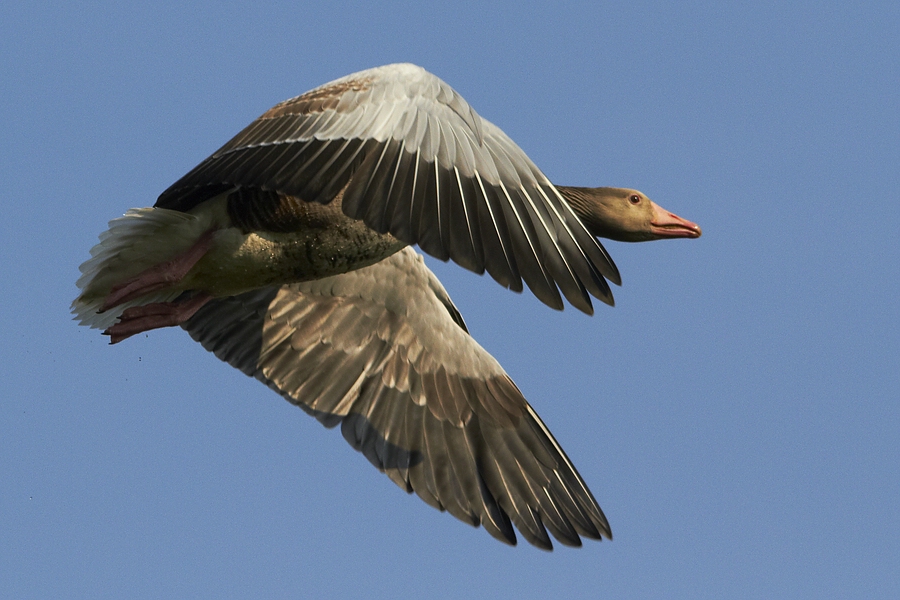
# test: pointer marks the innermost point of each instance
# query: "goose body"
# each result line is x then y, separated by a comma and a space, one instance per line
287, 254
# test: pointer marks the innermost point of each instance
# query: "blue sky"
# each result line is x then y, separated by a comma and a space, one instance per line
736, 414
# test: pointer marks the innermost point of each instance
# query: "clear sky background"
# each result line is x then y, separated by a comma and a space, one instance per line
736, 414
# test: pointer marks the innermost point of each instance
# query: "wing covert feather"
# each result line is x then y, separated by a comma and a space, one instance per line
422, 165
380, 352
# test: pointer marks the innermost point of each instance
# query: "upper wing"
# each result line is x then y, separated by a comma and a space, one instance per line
383, 351
422, 165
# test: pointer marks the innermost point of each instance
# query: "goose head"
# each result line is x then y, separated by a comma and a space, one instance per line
626, 215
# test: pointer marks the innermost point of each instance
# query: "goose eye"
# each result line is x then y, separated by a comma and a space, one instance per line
634, 199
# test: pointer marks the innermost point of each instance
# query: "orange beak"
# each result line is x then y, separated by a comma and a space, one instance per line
667, 225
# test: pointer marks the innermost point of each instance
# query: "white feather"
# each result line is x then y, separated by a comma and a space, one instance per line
140, 239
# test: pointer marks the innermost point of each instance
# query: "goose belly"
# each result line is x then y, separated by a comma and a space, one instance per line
239, 262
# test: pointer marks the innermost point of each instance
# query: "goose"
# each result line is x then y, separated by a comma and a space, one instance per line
288, 254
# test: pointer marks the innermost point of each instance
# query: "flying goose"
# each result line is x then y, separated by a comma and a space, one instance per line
287, 253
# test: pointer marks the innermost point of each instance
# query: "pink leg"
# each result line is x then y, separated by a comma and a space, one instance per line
139, 319
161, 276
